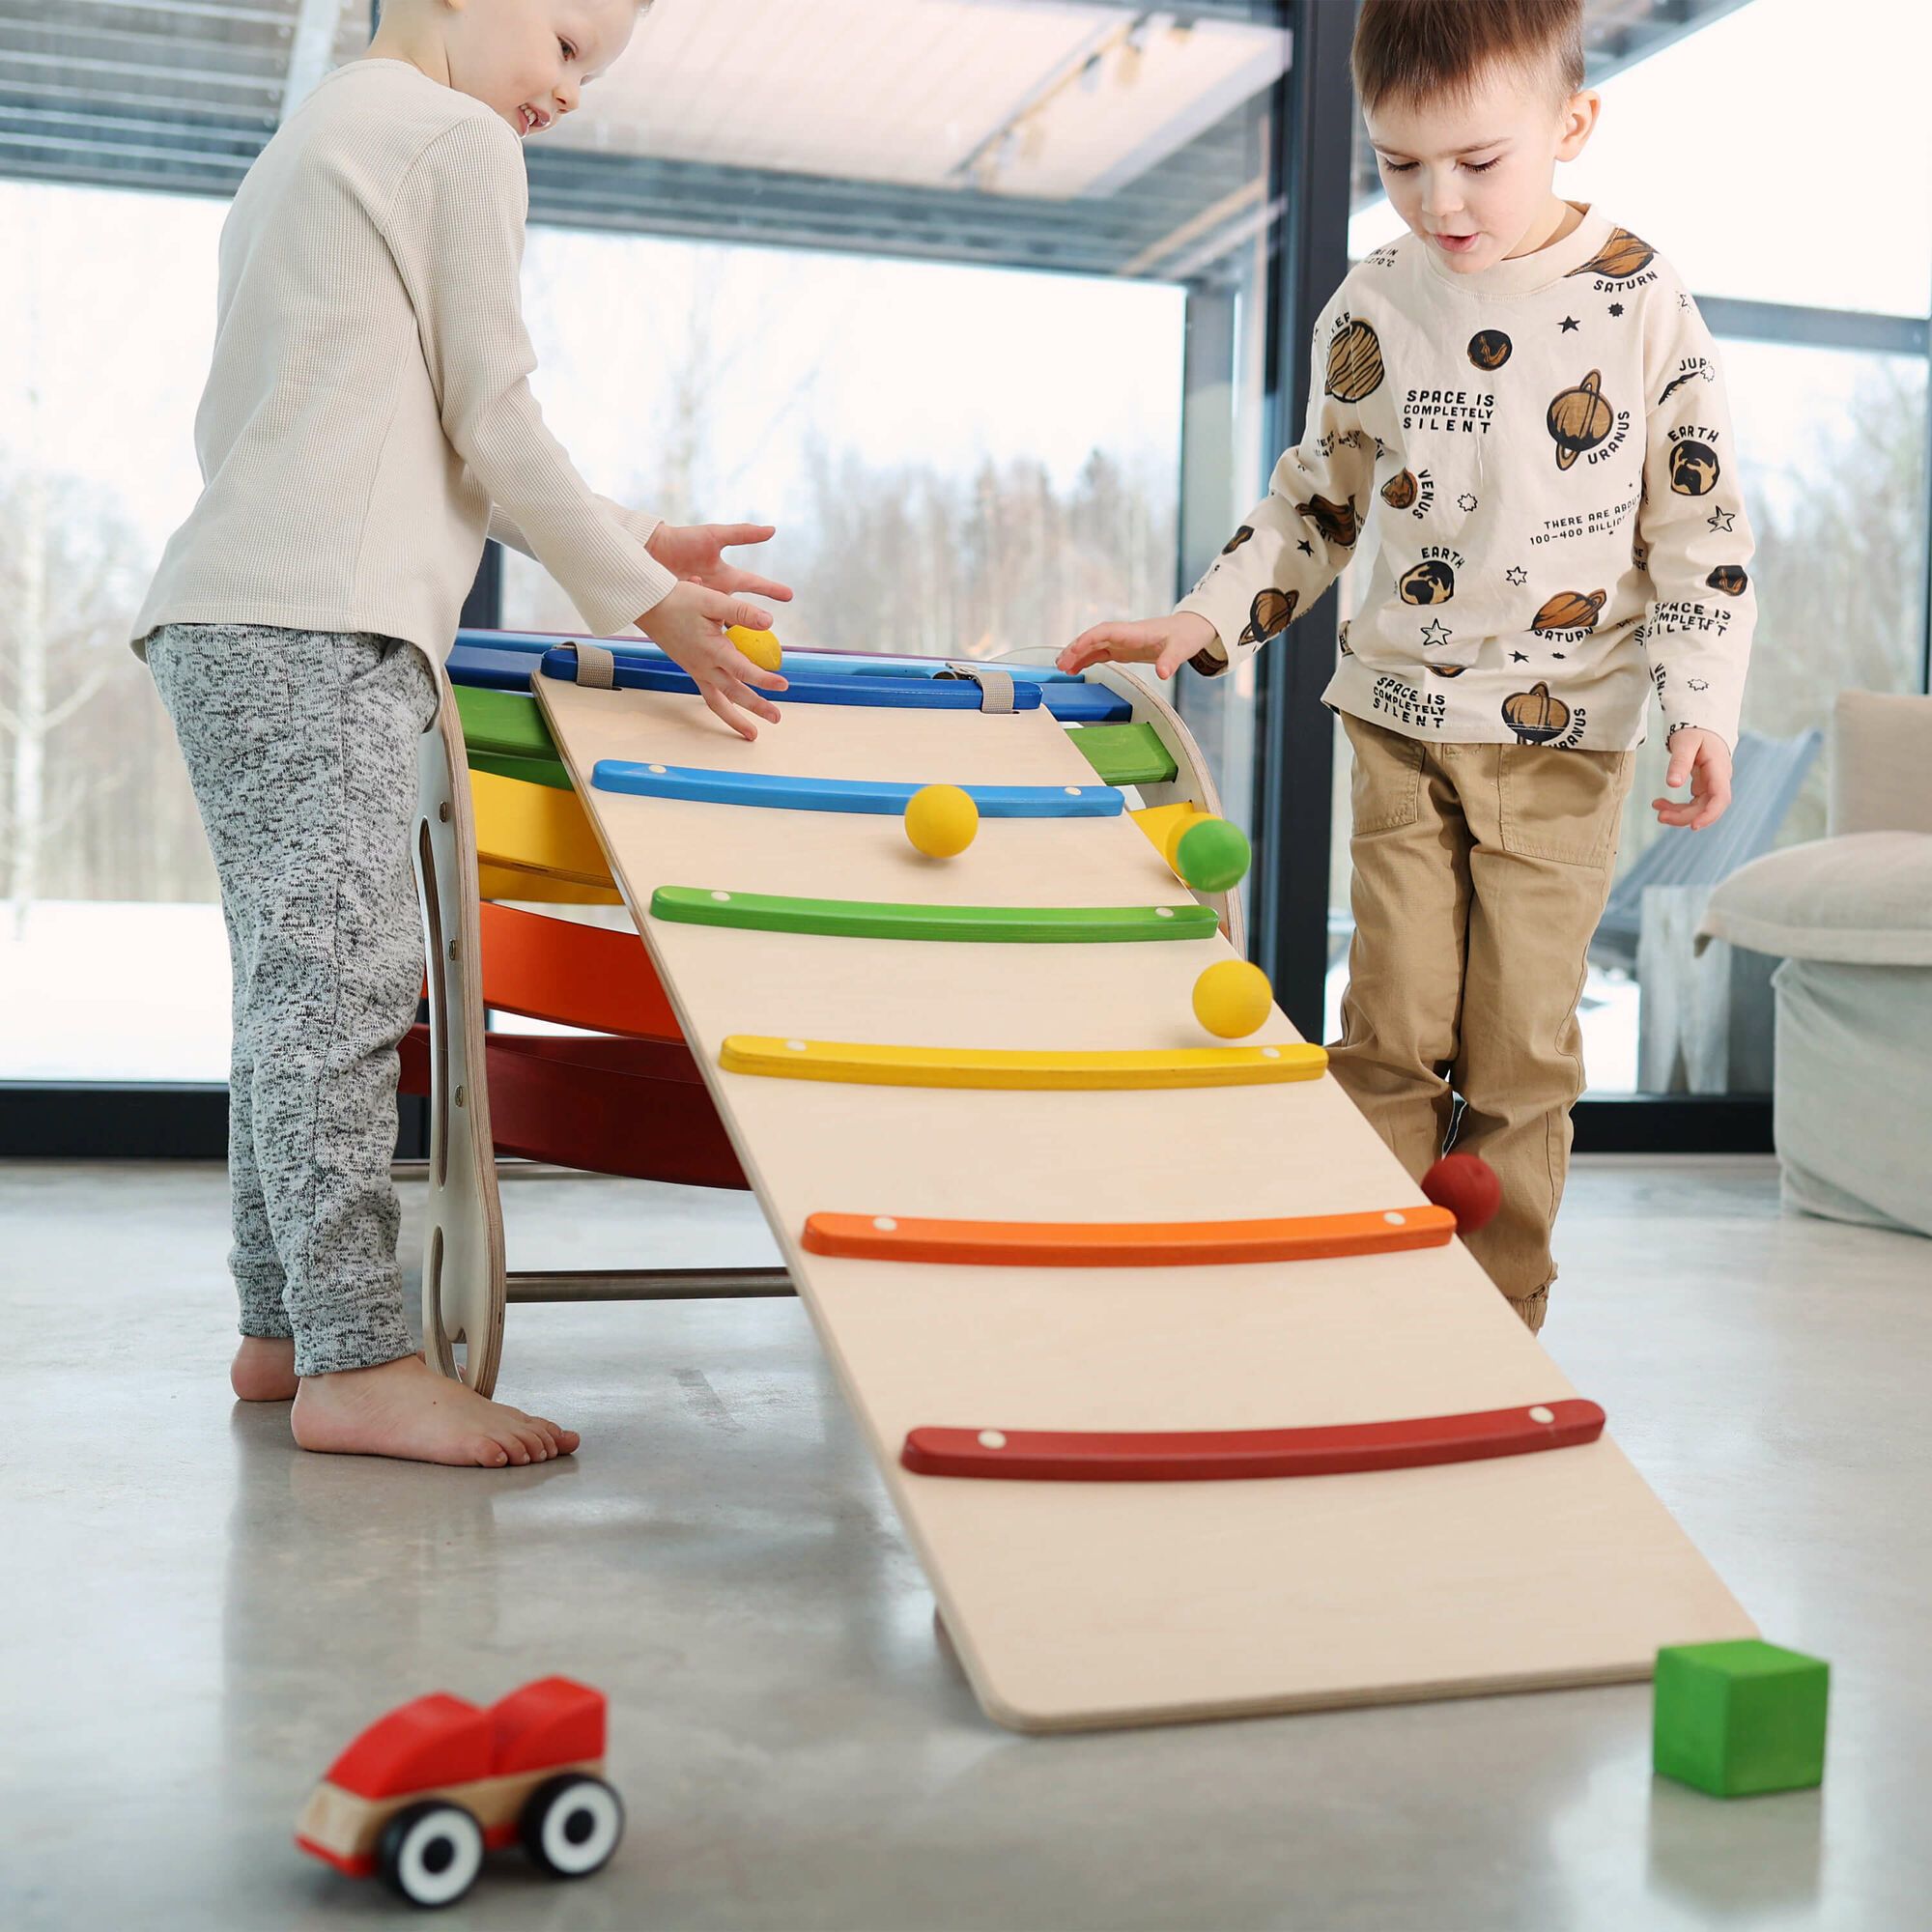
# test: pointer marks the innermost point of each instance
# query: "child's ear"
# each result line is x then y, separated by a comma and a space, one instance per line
1578, 122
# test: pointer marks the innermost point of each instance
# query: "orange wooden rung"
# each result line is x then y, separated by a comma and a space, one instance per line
573, 975
1293, 1238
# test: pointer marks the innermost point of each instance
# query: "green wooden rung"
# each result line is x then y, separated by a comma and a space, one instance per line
533, 771
864, 918
1125, 755
507, 722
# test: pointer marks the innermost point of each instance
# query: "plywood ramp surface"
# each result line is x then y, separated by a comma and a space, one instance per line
1083, 1605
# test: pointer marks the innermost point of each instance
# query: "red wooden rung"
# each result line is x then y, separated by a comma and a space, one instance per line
1228, 1454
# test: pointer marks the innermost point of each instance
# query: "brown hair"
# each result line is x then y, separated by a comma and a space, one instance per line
1409, 50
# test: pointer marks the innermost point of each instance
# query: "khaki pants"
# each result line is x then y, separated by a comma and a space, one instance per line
1480, 873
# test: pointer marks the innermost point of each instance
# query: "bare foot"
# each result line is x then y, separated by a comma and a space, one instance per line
264, 1368
405, 1409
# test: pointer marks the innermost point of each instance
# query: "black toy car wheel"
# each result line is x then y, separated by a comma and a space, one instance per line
571, 1824
430, 1853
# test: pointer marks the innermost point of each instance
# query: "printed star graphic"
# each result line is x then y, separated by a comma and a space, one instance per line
1616, 308
1436, 633
1570, 322
1465, 501
1306, 548
1382, 449
1520, 657
1683, 299
1517, 574
1721, 520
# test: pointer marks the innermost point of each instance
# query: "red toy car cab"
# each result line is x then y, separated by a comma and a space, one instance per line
423, 1792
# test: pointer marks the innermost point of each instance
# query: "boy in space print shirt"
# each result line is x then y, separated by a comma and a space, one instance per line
1517, 406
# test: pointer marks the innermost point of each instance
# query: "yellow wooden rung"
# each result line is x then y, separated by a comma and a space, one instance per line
534, 828
1163, 823
865, 1064
505, 882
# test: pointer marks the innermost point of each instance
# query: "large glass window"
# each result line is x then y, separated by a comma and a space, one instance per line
968, 306
953, 466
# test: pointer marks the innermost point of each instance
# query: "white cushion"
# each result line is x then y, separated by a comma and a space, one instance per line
1865, 899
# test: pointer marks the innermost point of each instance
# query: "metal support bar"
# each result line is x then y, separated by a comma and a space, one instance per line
1295, 751
648, 1285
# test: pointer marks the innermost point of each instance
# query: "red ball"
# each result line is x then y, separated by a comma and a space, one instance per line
1466, 1184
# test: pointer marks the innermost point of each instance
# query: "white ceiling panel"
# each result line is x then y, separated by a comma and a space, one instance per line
1021, 97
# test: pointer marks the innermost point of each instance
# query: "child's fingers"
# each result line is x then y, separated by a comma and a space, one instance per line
722, 610
1711, 805
765, 680
726, 535
722, 707
744, 583
740, 694
1172, 656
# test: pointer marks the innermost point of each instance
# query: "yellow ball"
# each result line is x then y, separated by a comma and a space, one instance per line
1232, 998
941, 820
761, 647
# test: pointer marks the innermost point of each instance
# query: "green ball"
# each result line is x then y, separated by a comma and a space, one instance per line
1212, 856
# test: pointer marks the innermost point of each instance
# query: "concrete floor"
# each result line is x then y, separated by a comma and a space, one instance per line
194, 1617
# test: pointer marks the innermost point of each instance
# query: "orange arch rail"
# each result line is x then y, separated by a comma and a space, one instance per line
1295, 1237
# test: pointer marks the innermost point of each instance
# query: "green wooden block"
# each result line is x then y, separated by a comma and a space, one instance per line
1125, 755
507, 722
533, 771
1732, 1718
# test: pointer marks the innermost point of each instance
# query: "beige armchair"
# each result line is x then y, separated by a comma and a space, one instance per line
1851, 917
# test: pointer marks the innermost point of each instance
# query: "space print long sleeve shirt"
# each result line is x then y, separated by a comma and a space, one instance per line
368, 416
1541, 455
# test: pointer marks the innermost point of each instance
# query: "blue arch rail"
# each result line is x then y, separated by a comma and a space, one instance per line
504, 661
879, 664
881, 797
807, 687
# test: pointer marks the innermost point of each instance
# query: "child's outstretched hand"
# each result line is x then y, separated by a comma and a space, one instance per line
1705, 760
696, 552
1165, 643
689, 626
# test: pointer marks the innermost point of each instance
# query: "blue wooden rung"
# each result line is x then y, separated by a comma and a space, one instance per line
1082, 703
805, 687
884, 798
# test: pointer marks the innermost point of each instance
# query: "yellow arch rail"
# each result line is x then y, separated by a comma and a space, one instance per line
869, 1065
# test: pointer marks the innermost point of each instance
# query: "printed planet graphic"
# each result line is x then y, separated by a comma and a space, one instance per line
1535, 716
1337, 521
1693, 468
1580, 419
1268, 613
1398, 492
1236, 541
1490, 348
1431, 582
1446, 670
1355, 364
1730, 578
1570, 610
1621, 257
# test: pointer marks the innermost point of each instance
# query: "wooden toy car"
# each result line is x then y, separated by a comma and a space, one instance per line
421, 1795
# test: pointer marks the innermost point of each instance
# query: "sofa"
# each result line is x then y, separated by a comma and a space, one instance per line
1850, 915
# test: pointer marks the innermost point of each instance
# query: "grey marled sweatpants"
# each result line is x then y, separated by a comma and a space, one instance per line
301, 749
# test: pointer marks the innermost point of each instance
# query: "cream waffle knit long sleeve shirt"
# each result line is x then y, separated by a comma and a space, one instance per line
1541, 455
368, 417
